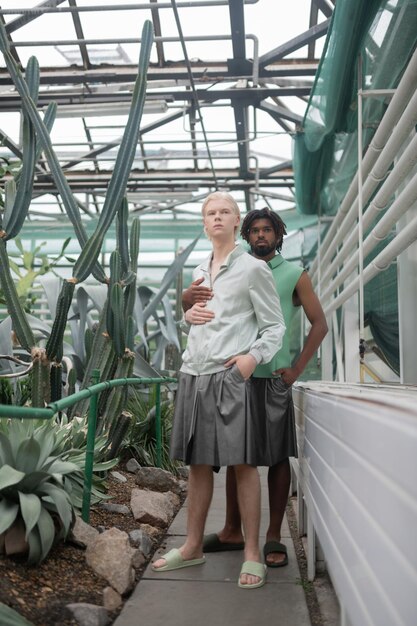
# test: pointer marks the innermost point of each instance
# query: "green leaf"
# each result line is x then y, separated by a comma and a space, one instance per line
9, 617
9, 476
46, 448
8, 513
61, 501
35, 546
169, 276
28, 454
30, 507
46, 529
30, 483
6, 452
63, 467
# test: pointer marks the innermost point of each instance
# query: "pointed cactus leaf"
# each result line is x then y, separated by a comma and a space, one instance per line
130, 333
56, 382
134, 244
123, 235
115, 267
4, 41
9, 200
88, 257
118, 331
32, 77
20, 322
127, 149
54, 344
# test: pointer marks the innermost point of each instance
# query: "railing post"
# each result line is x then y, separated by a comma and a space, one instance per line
89, 455
158, 425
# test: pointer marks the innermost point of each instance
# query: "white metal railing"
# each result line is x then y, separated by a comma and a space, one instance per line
356, 475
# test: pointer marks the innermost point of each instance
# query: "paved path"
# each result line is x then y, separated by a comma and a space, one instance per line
208, 595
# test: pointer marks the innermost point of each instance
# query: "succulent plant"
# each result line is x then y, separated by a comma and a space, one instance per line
10, 617
41, 481
35, 507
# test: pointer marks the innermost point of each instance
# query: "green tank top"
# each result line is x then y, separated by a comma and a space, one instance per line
286, 276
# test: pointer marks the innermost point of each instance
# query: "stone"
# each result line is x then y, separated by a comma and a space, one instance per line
183, 472
151, 507
138, 559
82, 533
139, 539
110, 555
122, 509
156, 479
132, 466
118, 477
152, 532
111, 599
88, 614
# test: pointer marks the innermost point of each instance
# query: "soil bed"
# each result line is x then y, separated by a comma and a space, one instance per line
41, 593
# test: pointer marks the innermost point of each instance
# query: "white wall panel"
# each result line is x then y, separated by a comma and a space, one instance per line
358, 472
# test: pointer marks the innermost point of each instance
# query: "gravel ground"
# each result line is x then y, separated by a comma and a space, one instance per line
41, 593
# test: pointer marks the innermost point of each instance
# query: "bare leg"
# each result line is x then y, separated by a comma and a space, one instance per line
279, 478
249, 494
200, 492
232, 530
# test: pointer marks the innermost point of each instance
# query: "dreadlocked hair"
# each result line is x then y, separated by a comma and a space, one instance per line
264, 214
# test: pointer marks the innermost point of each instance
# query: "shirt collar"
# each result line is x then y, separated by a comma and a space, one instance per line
275, 261
236, 252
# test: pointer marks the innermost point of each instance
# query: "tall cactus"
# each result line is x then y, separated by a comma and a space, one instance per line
36, 138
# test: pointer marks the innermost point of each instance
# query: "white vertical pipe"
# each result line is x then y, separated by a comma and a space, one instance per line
360, 203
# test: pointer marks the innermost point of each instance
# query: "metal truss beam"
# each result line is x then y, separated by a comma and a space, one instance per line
313, 33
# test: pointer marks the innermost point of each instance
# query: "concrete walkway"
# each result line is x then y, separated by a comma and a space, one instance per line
208, 594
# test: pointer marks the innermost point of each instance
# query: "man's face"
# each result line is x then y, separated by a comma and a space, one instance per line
220, 220
262, 239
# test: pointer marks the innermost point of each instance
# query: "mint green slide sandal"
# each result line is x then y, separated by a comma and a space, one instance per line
174, 560
254, 569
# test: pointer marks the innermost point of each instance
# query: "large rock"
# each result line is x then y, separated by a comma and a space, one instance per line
88, 614
156, 479
110, 555
152, 507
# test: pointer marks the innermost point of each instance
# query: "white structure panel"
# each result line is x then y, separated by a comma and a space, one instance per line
357, 469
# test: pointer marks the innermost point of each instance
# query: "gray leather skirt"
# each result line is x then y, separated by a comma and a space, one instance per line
212, 420
272, 411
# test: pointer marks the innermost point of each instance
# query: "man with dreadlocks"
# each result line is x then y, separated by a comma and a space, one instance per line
270, 385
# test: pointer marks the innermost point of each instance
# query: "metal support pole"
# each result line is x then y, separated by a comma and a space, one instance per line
158, 425
89, 455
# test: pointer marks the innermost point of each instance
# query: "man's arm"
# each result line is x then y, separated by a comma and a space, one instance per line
307, 298
195, 293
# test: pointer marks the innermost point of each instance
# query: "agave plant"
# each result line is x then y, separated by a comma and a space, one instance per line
10, 617
35, 508
41, 479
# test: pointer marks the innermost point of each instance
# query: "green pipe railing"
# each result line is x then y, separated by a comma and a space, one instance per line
48, 412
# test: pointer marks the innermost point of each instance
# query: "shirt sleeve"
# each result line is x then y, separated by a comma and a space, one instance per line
268, 313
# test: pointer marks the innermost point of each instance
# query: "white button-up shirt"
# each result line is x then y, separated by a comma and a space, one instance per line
248, 316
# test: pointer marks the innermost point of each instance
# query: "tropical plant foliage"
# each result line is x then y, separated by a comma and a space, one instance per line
41, 479
140, 440
9, 617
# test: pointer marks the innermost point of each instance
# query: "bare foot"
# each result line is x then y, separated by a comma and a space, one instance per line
275, 558
248, 579
186, 554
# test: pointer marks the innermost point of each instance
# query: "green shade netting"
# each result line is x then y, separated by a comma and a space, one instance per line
384, 34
